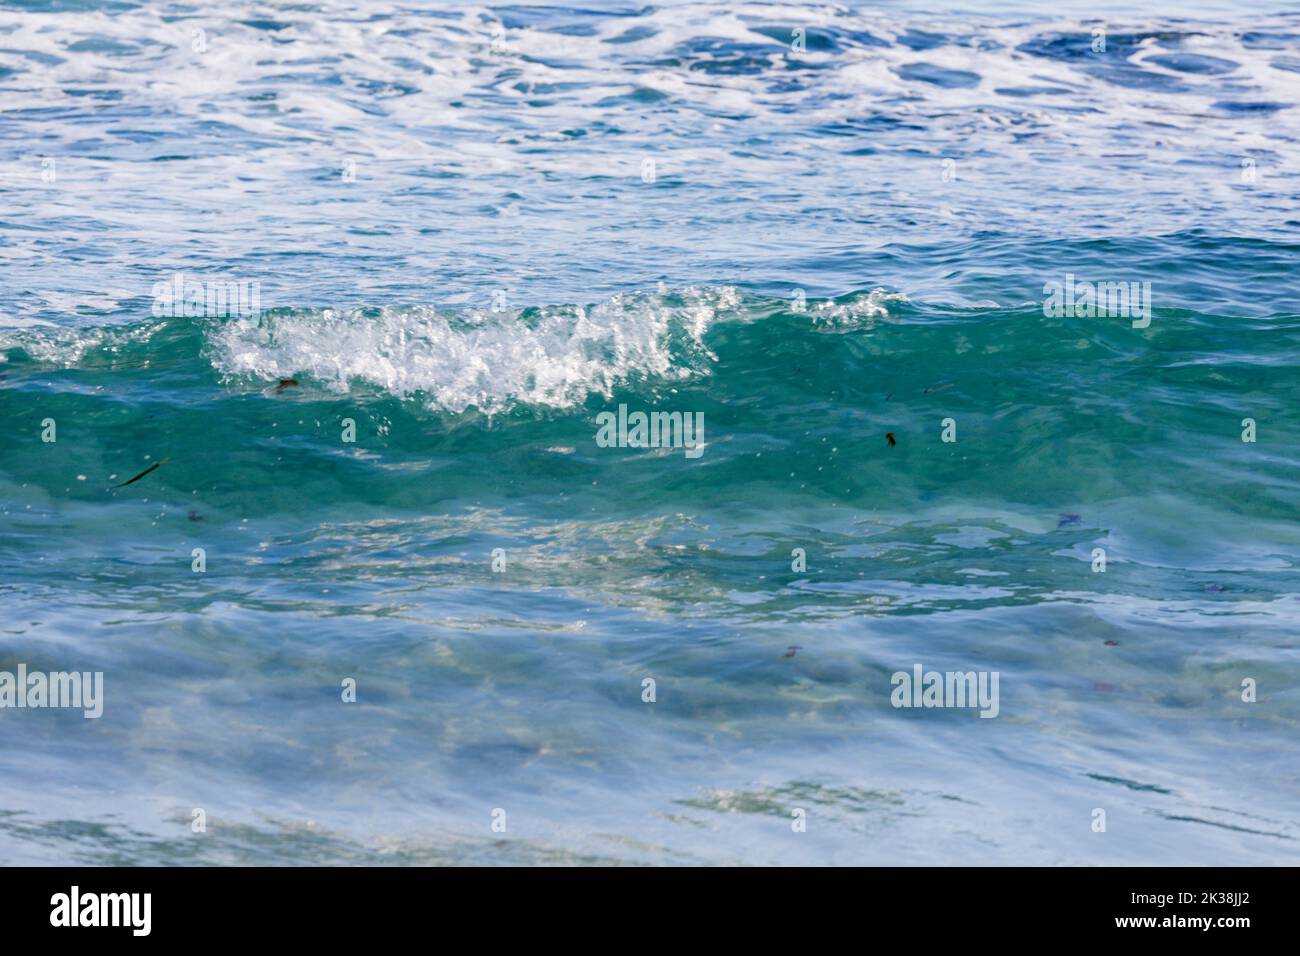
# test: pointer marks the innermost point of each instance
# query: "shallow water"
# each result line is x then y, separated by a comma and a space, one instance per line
460, 248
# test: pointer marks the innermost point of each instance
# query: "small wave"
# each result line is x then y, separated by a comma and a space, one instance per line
860, 310
552, 356
51, 344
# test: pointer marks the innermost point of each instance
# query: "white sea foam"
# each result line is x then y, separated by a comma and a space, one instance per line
860, 311
397, 84
549, 357
523, 163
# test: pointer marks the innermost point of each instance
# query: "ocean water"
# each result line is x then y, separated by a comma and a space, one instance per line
471, 231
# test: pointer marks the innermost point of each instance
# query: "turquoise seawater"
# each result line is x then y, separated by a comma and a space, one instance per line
473, 230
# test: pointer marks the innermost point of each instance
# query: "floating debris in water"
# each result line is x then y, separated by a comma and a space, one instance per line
131, 481
890, 436
942, 386
793, 650
195, 516
1067, 521
286, 383
1112, 643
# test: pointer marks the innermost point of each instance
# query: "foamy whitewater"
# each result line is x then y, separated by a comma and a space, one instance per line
324, 329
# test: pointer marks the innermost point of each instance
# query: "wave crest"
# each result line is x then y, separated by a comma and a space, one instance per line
552, 356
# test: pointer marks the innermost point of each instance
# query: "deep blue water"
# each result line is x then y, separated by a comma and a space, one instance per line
472, 230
